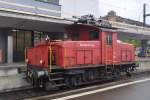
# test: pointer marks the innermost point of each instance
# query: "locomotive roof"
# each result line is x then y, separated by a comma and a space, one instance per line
91, 21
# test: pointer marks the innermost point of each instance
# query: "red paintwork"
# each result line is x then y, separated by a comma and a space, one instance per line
71, 53
125, 52
84, 51
37, 53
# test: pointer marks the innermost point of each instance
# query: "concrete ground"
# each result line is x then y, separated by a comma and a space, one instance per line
144, 64
11, 79
134, 90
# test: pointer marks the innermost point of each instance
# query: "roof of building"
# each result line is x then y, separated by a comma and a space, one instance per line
112, 14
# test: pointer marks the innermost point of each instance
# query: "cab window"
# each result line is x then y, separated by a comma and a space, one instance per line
94, 35
109, 38
74, 36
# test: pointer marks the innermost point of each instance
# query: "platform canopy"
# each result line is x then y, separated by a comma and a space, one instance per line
47, 24
132, 35
32, 22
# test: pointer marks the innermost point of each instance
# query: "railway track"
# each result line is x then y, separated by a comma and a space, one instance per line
31, 93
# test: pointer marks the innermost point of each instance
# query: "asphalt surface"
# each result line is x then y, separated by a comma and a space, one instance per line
132, 92
137, 91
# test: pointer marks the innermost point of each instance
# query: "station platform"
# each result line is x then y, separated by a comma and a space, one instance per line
11, 78
11, 69
144, 64
13, 82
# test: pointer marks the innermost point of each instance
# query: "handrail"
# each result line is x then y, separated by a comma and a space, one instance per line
50, 58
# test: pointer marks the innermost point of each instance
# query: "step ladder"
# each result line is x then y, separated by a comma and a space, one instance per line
56, 78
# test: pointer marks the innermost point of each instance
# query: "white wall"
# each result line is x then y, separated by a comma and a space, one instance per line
79, 7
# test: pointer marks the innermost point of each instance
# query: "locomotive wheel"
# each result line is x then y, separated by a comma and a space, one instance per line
73, 81
128, 74
91, 75
116, 73
47, 86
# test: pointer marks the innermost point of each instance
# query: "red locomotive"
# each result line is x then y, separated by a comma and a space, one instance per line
93, 53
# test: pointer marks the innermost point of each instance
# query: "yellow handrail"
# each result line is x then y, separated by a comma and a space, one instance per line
50, 60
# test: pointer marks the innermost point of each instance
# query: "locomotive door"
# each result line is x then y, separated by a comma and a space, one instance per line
88, 57
109, 44
109, 49
84, 57
128, 56
123, 55
80, 57
108, 54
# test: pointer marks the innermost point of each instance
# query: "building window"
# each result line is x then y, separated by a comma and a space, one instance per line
43, 0
109, 38
94, 35
49, 1
21, 40
37, 37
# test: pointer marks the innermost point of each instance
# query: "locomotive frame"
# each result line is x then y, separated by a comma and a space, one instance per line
77, 76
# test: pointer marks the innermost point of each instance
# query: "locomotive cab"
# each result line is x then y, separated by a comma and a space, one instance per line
79, 32
107, 39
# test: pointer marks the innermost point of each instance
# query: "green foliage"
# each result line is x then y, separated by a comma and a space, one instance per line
135, 42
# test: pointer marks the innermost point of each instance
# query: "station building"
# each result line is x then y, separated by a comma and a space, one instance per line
24, 22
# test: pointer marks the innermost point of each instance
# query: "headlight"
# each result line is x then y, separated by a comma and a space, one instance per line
27, 61
41, 62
